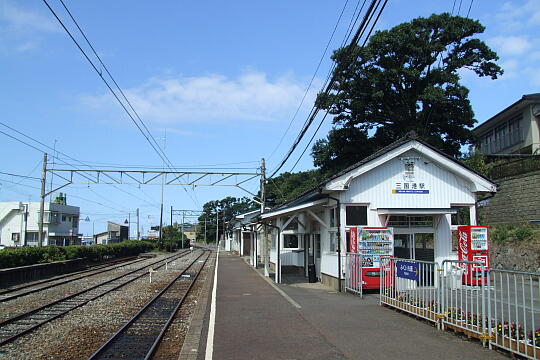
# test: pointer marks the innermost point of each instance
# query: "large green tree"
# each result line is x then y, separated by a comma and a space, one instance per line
406, 78
227, 208
288, 185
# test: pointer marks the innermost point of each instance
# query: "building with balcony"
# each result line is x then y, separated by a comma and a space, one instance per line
514, 130
19, 224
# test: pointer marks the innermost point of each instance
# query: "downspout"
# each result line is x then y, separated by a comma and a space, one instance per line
278, 270
338, 220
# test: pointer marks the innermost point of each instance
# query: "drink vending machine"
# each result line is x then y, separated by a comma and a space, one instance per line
473, 245
370, 243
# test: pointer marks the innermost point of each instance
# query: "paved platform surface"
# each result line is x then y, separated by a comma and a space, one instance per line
254, 321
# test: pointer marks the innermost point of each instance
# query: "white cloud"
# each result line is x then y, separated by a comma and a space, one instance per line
518, 15
24, 20
510, 45
212, 98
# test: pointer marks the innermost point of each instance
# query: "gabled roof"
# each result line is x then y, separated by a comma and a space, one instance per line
517, 106
315, 193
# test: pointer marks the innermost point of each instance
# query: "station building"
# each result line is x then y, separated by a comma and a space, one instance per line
416, 189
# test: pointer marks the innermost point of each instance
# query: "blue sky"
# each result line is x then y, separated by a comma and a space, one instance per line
221, 80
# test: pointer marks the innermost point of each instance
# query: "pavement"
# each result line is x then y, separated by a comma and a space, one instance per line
310, 321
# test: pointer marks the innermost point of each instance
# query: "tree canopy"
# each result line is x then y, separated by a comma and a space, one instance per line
228, 208
406, 78
288, 185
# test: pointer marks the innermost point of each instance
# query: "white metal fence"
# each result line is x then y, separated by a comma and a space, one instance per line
501, 308
353, 273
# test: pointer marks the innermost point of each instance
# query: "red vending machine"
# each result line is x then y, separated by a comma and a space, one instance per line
371, 243
473, 246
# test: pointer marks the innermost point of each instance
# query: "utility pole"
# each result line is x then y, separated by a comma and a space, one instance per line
42, 200
162, 186
205, 242
129, 225
138, 232
217, 228
263, 201
171, 216
182, 233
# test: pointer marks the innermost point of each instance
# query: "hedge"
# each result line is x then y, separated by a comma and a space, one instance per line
39, 255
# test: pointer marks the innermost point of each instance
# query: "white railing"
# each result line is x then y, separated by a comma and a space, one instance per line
353, 273
501, 308
410, 285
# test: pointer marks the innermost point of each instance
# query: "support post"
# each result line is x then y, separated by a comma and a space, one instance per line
217, 227
42, 200
161, 227
266, 252
205, 242
138, 232
182, 232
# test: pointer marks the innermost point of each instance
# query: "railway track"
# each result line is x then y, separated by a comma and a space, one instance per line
140, 337
19, 291
17, 326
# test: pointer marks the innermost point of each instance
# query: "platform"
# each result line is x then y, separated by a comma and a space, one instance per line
255, 321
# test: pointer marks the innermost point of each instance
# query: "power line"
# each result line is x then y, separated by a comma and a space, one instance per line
159, 152
312, 79
354, 41
57, 151
112, 78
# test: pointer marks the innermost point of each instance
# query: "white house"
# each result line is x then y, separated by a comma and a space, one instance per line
19, 224
420, 192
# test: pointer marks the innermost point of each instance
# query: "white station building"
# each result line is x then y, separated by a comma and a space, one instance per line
422, 193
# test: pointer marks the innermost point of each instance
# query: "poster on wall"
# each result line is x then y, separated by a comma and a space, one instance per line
354, 240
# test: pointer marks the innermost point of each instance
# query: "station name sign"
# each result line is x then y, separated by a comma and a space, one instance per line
410, 188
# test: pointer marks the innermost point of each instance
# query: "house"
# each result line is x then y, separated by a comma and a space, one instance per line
115, 233
514, 130
410, 186
19, 224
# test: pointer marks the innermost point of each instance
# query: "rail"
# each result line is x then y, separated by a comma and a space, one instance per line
139, 338
19, 325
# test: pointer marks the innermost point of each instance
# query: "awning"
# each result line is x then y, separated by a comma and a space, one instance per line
416, 211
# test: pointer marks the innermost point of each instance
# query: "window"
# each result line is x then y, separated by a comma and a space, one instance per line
356, 215
290, 241
54, 217
75, 221
454, 241
32, 236
333, 217
462, 216
404, 221
15, 237
332, 241
63, 217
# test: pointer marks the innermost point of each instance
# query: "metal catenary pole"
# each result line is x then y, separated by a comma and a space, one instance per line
205, 242
138, 232
182, 232
263, 200
42, 200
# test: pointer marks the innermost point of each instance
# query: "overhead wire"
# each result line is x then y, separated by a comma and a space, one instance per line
312, 79
148, 135
354, 41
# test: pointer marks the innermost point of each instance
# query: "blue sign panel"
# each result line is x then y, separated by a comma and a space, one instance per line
410, 191
407, 270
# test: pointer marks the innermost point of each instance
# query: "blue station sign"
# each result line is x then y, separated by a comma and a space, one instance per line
407, 270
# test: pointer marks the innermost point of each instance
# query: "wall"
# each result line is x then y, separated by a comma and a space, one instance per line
517, 200
512, 257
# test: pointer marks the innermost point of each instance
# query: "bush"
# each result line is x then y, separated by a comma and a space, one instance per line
509, 233
38, 255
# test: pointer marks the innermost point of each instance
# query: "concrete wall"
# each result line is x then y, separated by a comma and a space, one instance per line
517, 200
512, 257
